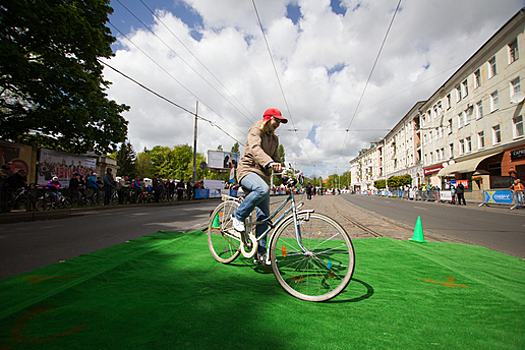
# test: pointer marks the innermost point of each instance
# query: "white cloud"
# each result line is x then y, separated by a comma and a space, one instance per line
427, 43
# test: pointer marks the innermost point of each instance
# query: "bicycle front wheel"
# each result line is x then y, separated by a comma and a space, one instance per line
322, 267
223, 247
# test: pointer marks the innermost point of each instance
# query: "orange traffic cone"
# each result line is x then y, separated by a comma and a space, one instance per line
418, 232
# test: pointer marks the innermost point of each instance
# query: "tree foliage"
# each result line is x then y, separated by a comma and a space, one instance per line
399, 181
380, 184
51, 85
235, 148
126, 161
171, 163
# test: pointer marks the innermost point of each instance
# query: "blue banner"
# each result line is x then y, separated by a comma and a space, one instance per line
498, 196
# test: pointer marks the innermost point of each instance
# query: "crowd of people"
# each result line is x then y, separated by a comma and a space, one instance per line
92, 189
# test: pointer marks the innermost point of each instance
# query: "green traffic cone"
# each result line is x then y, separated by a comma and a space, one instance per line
216, 223
418, 232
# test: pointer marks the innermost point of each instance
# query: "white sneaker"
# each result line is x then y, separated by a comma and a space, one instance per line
263, 260
237, 225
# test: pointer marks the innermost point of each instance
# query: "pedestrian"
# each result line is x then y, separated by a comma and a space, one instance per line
180, 189
518, 189
261, 156
76, 185
123, 189
155, 186
5, 172
309, 191
460, 192
109, 185
453, 191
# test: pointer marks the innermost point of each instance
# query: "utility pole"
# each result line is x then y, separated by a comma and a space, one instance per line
195, 144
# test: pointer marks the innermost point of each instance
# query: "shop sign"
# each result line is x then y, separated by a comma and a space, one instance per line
464, 182
432, 169
519, 153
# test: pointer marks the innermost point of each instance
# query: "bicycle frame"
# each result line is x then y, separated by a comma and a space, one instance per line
274, 226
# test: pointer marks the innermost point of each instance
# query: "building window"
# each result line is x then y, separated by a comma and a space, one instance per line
461, 147
443, 153
467, 114
451, 148
513, 51
430, 136
518, 126
477, 78
458, 93
481, 139
468, 144
515, 86
496, 134
494, 101
492, 67
464, 88
431, 158
449, 126
479, 110
449, 102
460, 121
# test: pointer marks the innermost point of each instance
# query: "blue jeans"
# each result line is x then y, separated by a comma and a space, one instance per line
259, 198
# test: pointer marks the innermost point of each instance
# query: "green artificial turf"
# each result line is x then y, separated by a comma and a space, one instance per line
165, 291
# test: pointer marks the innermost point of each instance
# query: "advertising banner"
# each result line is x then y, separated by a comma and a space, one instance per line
215, 187
222, 160
63, 165
498, 196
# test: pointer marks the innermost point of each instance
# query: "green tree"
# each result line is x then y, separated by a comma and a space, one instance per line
52, 91
282, 156
219, 148
126, 161
143, 164
235, 148
380, 184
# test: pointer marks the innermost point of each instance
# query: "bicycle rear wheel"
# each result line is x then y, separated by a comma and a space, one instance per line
324, 269
223, 247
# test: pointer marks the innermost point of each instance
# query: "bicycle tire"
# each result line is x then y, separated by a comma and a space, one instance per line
325, 269
223, 248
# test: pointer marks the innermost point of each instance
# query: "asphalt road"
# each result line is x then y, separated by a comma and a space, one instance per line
498, 229
25, 246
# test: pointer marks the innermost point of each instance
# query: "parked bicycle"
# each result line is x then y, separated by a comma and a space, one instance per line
311, 255
22, 197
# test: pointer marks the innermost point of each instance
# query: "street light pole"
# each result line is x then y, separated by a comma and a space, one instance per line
195, 144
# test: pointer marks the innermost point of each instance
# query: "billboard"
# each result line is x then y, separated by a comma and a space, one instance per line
63, 165
222, 160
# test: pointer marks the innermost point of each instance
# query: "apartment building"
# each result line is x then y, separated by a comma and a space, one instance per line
366, 168
471, 129
472, 124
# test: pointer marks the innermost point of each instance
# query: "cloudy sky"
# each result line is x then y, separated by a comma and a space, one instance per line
313, 62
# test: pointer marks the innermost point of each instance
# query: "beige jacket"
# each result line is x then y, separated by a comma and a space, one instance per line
261, 149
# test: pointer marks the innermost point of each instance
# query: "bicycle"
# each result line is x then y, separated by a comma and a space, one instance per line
21, 195
312, 256
46, 202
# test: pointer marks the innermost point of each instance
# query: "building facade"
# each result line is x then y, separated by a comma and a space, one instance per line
471, 129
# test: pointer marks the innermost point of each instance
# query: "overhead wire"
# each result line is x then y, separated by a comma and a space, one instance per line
166, 99
197, 59
370, 75
170, 75
179, 56
277, 75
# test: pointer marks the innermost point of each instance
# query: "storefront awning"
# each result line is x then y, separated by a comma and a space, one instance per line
465, 166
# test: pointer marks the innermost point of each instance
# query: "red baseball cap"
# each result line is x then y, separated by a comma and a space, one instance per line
275, 113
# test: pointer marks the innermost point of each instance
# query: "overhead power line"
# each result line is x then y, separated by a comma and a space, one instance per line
186, 63
171, 76
277, 74
168, 100
371, 72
